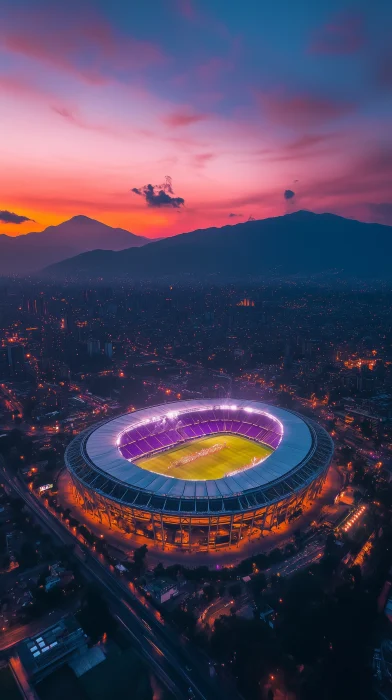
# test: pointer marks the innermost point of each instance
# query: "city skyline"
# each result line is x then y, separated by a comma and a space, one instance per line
251, 115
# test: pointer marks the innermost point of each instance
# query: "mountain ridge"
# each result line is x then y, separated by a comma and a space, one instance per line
30, 252
299, 243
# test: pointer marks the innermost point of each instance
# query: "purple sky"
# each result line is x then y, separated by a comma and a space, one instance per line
239, 103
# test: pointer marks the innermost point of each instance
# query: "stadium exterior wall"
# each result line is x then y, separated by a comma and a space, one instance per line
225, 523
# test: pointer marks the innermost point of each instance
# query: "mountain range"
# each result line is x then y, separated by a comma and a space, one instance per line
297, 244
33, 251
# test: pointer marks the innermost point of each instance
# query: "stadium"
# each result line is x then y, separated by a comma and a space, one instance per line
200, 474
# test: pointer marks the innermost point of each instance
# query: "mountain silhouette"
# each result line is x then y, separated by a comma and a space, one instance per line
301, 243
33, 251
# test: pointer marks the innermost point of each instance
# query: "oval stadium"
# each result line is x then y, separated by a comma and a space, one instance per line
200, 474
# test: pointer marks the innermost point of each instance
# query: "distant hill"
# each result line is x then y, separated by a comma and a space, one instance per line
301, 243
33, 251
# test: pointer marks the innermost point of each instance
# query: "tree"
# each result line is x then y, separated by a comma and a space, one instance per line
285, 400
95, 617
346, 455
377, 441
366, 428
184, 620
355, 573
159, 570
27, 555
235, 590
221, 590
276, 556
17, 505
139, 556
249, 648
330, 544
6, 561
258, 584
289, 549
209, 592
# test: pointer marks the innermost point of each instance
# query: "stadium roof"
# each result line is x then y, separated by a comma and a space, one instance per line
297, 445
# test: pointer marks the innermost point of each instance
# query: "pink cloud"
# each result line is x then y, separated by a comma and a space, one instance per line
201, 159
306, 146
303, 110
367, 175
344, 35
14, 85
73, 118
183, 118
308, 141
87, 47
19, 87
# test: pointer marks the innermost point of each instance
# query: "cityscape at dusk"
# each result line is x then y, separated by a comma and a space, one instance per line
195, 350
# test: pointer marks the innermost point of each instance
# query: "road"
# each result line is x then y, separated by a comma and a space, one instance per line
311, 553
175, 662
10, 401
223, 606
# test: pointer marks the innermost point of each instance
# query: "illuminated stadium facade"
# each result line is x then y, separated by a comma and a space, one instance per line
200, 474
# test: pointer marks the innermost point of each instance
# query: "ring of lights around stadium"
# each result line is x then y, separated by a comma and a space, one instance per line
200, 513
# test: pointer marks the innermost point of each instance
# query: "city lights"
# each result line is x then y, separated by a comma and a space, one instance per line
353, 519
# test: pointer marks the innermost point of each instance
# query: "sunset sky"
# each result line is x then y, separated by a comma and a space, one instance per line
253, 108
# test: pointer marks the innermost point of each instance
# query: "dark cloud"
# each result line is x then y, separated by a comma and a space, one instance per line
159, 195
8, 217
232, 216
289, 194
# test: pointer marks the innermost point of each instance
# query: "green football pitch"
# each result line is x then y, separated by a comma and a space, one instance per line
227, 453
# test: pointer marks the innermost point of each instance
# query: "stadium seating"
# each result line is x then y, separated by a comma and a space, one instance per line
143, 440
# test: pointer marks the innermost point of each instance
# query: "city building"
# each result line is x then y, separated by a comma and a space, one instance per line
93, 347
4, 364
58, 577
268, 615
16, 358
55, 646
109, 350
162, 590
